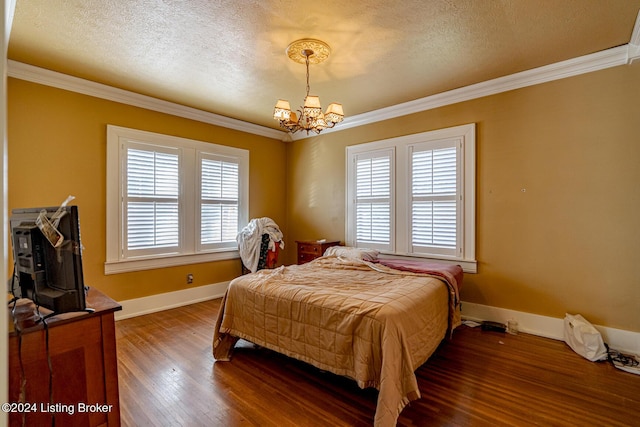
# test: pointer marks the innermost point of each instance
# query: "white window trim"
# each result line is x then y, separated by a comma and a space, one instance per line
115, 263
402, 145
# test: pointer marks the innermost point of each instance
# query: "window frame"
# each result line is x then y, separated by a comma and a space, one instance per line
464, 137
190, 251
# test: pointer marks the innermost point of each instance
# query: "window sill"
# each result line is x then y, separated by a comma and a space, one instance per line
115, 267
468, 266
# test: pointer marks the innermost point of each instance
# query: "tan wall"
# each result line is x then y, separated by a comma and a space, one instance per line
57, 147
570, 242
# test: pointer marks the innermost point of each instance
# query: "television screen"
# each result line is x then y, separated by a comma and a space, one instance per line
47, 254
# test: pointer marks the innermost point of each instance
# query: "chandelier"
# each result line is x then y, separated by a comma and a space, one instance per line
306, 51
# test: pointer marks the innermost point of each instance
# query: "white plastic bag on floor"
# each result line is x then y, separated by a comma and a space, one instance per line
584, 338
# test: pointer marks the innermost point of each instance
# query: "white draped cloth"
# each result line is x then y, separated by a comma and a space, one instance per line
250, 239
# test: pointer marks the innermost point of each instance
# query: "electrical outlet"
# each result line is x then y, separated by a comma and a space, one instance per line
189, 278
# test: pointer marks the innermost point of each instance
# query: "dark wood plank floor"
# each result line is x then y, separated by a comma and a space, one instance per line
169, 377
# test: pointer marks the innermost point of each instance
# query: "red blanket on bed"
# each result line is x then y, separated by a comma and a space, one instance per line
451, 273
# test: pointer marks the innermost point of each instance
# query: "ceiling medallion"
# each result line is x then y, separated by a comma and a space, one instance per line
321, 51
308, 51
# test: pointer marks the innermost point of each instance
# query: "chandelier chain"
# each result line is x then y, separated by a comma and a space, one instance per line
307, 63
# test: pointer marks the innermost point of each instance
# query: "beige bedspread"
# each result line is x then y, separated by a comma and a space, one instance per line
364, 321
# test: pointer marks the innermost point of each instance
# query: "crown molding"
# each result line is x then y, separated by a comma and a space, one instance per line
633, 54
635, 35
572, 67
634, 43
46, 77
608, 58
613, 57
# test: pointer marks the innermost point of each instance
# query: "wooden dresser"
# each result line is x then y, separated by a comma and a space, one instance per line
84, 366
311, 249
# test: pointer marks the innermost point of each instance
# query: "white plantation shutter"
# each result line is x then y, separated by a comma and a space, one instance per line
219, 200
172, 201
434, 198
414, 195
152, 214
373, 199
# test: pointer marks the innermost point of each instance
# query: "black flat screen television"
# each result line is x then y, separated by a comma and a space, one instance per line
50, 276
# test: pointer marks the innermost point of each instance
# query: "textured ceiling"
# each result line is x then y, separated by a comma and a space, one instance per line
228, 57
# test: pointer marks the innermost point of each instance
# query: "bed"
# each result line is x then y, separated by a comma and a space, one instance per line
375, 322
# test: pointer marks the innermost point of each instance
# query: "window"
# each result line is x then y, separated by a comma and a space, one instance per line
172, 201
218, 201
415, 195
151, 200
373, 202
433, 197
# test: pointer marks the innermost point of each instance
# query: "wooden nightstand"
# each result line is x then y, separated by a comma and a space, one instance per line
311, 249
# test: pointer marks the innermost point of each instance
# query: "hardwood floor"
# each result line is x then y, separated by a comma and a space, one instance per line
168, 377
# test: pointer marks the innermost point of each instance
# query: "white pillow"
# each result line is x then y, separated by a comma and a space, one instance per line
350, 252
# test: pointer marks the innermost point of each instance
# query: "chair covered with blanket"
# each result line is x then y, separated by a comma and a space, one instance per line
259, 243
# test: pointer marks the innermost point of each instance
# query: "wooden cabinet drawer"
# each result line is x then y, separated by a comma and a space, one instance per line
309, 250
305, 257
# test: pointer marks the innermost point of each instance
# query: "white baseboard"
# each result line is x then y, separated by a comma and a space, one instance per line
549, 327
544, 326
166, 301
